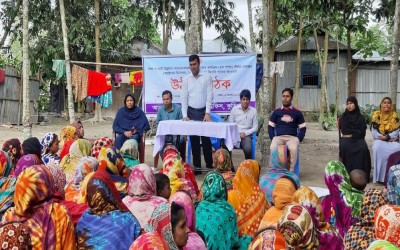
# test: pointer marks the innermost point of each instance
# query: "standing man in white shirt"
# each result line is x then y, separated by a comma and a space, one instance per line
196, 96
246, 118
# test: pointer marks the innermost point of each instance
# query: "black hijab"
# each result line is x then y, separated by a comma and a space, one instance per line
352, 120
32, 146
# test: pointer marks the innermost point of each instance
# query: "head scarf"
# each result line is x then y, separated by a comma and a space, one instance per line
66, 134
59, 178
82, 197
102, 195
278, 167
385, 122
393, 185
25, 162
101, 143
32, 146
328, 237
13, 148
382, 245
47, 142
5, 164
184, 200
282, 196
222, 164
351, 120
130, 152
160, 222
80, 148
297, 227
268, 239
65, 148
150, 241
247, 198
362, 233
15, 236
387, 224
76, 125
7, 184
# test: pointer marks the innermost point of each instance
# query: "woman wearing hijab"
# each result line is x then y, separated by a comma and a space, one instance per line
32, 146
282, 196
343, 204
25, 162
278, 167
85, 165
111, 161
67, 133
7, 183
216, 218
298, 229
269, 239
247, 198
80, 132
385, 130
50, 147
393, 185
387, 224
103, 142
328, 237
13, 148
141, 199
15, 236
362, 233
195, 242
130, 122
222, 164
353, 149
79, 149
49, 223
107, 224
130, 153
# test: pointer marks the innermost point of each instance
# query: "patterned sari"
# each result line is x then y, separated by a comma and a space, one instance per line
47, 142
393, 185
25, 162
7, 183
13, 148
150, 241
382, 245
67, 133
387, 224
268, 239
130, 153
103, 142
107, 224
247, 198
222, 164
80, 148
15, 236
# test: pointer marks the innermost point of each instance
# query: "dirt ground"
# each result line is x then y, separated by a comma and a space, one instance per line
317, 149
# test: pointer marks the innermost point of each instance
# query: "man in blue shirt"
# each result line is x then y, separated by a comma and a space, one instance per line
287, 126
171, 111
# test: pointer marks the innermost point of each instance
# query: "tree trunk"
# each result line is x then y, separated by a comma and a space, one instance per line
349, 62
26, 116
193, 40
167, 29
71, 111
164, 34
323, 102
298, 63
97, 114
394, 64
7, 28
271, 50
200, 25
265, 86
252, 36
187, 25
337, 79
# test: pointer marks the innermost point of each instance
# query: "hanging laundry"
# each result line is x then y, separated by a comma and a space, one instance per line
106, 99
125, 78
272, 66
276, 67
116, 80
59, 68
97, 83
2, 75
79, 82
136, 78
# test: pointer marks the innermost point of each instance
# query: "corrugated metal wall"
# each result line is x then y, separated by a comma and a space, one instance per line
10, 98
309, 96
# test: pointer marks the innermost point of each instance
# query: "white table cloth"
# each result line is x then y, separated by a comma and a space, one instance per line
224, 130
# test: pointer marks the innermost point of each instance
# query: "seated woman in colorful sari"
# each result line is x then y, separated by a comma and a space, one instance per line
103, 142
50, 147
79, 149
216, 218
328, 237
85, 165
282, 196
247, 197
385, 130
130, 153
24, 162
49, 223
14, 150
298, 229
141, 199
107, 224
15, 236
353, 149
130, 122
7, 183
382, 245
343, 204
268, 238
362, 233
278, 166
65, 149
32, 146
195, 242
111, 161
222, 164
387, 224
393, 185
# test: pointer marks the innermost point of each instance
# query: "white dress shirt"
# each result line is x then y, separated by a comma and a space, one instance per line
197, 92
247, 121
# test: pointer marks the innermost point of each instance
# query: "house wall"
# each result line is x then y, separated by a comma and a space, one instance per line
309, 96
11, 98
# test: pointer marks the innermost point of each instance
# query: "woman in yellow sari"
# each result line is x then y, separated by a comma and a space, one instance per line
67, 133
385, 130
247, 198
80, 148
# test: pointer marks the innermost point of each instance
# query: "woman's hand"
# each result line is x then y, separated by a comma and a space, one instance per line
383, 137
128, 134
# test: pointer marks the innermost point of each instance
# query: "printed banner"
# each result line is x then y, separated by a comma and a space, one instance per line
230, 74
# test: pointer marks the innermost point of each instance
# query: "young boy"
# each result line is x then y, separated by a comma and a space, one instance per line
163, 186
358, 179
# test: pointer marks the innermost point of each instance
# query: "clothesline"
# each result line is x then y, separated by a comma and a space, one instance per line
108, 64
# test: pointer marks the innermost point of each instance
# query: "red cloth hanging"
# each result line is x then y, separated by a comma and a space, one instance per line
2, 75
136, 78
97, 83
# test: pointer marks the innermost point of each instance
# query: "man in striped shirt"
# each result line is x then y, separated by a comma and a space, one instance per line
196, 97
287, 126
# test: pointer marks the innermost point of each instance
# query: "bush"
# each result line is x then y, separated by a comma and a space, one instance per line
367, 112
329, 123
